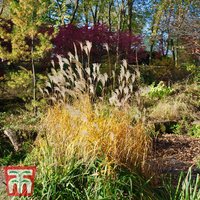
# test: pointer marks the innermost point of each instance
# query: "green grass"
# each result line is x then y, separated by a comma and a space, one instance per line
84, 181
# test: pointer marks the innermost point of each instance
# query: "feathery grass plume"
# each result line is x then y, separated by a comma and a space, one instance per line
74, 80
125, 80
79, 79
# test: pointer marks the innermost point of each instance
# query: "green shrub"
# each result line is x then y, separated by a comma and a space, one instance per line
164, 61
20, 84
194, 130
166, 73
198, 163
159, 91
177, 129
194, 72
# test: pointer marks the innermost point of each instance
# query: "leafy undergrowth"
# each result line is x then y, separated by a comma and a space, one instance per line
22, 125
8, 156
177, 112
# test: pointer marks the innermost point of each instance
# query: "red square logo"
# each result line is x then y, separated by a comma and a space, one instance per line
20, 180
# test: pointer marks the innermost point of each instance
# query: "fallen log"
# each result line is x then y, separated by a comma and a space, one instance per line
13, 138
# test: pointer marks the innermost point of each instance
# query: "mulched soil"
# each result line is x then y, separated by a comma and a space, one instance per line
173, 154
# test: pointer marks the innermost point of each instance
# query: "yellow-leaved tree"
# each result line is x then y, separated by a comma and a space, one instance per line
24, 33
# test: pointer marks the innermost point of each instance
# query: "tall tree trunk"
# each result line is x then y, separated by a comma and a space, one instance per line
33, 73
123, 14
86, 15
109, 15
177, 54
173, 52
151, 52
136, 57
167, 50
118, 33
130, 15
2, 7
94, 13
75, 11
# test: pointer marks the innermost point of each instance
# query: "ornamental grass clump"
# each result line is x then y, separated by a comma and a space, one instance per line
85, 132
87, 151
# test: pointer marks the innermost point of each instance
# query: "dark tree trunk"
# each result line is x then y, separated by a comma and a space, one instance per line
151, 53
75, 11
86, 15
173, 52
167, 50
2, 7
34, 76
130, 15
94, 14
109, 15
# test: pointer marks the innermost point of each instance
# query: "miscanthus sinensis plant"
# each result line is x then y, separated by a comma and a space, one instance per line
85, 145
85, 131
73, 78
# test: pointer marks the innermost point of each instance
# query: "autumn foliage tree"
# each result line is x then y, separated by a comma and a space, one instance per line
21, 38
129, 44
22, 28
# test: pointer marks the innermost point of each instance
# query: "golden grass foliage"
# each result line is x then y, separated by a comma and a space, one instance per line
85, 132
169, 110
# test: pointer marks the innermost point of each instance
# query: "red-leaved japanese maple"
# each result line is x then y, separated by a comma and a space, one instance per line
126, 43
